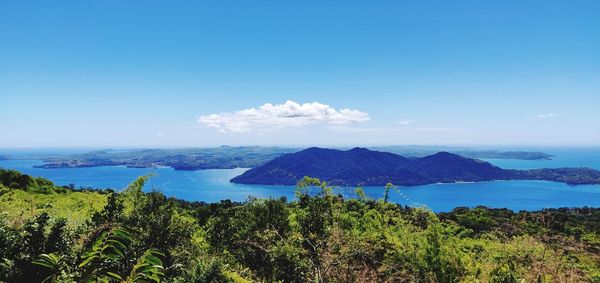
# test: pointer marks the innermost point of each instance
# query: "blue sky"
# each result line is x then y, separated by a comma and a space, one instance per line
151, 73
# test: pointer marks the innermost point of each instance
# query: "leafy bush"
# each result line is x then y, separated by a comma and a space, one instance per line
134, 236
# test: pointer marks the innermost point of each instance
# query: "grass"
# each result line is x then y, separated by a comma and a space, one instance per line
19, 205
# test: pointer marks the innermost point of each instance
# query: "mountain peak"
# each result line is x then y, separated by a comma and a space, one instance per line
360, 149
366, 167
317, 150
444, 154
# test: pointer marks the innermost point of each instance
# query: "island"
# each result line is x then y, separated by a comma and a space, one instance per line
422, 151
227, 157
224, 157
364, 167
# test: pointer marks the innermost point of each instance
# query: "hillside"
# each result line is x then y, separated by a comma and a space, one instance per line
325, 238
365, 167
226, 157
23, 197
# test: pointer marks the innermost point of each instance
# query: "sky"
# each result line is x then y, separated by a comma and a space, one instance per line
208, 73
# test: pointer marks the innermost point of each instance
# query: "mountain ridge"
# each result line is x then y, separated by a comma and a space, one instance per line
361, 166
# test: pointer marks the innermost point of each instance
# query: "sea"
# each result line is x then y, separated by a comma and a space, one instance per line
213, 185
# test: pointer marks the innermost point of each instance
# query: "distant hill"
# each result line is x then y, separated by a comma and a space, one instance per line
421, 151
226, 157
360, 166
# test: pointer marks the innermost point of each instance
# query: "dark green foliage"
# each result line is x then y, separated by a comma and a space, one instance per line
41, 235
54, 264
59, 239
252, 233
147, 237
445, 266
157, 224
35, 239
148, 268
16, 180
103, 258
574, 222
9, 237
112, 212
213, 271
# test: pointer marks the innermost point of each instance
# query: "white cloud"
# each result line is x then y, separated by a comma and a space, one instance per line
547, 115
405, 122
289, 114
160, 134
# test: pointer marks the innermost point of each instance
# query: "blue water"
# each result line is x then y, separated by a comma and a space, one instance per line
214, 185
577, 157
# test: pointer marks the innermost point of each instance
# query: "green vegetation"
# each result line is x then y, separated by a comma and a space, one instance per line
23, 197
226, 157
16, 180
145, 237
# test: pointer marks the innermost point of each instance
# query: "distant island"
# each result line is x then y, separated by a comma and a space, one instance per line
421, 151
224, 157
227, 157
364, 167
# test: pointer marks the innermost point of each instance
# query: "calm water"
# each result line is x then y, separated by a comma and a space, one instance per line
214, 185
582, 157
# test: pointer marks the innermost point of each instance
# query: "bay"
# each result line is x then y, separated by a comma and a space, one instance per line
213, 185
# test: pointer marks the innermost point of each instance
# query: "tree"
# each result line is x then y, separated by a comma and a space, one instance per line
388, 187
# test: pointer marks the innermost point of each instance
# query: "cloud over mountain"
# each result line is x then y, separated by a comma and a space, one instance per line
288, 114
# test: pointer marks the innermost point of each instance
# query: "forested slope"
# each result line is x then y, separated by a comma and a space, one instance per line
139, 237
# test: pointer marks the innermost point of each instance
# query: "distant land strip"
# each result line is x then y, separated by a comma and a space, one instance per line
227, 157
